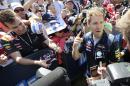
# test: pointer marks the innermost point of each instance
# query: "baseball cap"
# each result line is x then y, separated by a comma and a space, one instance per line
15, 5
3, 7
69, 1
54, 27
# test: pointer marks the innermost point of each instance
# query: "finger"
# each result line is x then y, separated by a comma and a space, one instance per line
2, 55
45, 61
99, 72
79, 40
78, 35
5, 58
46, 65
40, 58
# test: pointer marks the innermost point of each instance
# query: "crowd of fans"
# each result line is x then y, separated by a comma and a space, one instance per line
75, 35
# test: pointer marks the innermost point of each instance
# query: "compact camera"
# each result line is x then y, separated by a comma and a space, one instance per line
118, 74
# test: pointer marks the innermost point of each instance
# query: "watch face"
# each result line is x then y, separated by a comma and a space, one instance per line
99, 53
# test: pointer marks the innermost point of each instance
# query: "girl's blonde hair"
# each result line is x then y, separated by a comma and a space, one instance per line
124, 22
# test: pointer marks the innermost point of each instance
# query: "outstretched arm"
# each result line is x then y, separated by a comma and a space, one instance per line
19, 59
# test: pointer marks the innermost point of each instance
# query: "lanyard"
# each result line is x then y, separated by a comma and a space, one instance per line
26, 41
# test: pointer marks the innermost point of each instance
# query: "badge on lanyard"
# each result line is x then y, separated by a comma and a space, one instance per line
98, 54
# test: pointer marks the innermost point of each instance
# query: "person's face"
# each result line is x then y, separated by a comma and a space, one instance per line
70, 5
17, 26
59, 34
20, 12
63, 14
52, 9
96, 25
85, 1
34, 7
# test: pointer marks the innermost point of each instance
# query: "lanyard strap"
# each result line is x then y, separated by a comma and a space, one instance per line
26, 41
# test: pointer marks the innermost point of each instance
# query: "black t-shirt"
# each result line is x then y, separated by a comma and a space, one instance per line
29, 42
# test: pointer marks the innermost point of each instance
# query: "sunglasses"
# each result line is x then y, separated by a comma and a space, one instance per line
18, 10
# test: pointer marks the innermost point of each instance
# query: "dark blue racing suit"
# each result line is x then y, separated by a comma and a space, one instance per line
101, 51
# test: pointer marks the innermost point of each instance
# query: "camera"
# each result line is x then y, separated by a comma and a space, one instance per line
117, 74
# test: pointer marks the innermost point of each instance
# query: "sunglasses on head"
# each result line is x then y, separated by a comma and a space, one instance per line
18, 10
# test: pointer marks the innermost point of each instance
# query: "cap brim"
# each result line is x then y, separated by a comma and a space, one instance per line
15, 5
50, 30
3, 7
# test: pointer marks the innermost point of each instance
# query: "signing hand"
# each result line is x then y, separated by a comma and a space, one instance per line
43, 63
101, 70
